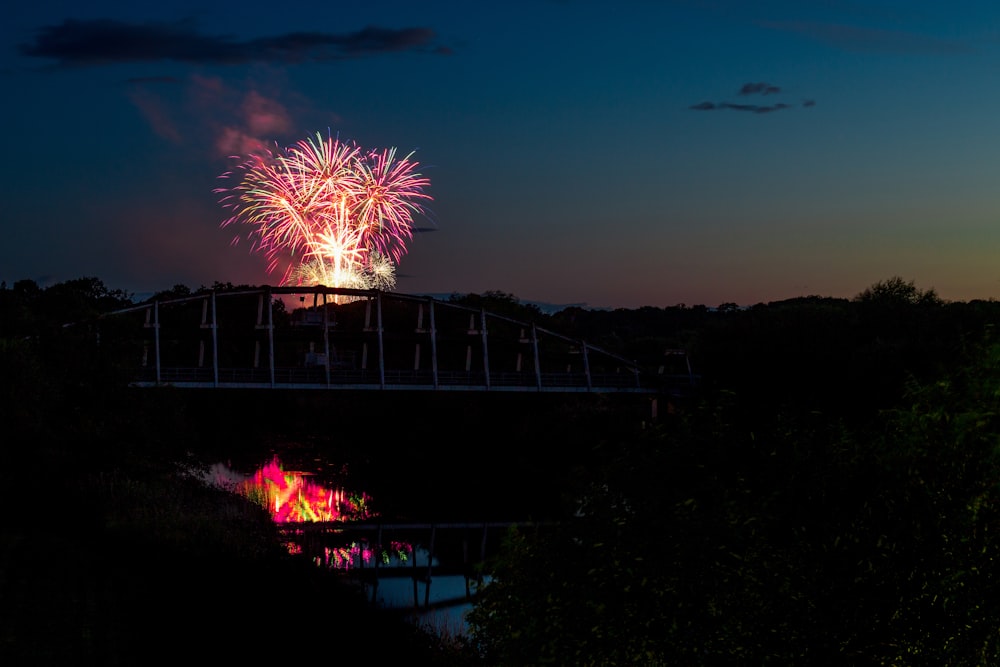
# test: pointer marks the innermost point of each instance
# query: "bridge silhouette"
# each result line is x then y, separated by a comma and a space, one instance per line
340, 338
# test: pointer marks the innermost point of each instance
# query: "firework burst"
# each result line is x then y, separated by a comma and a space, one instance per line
339, 215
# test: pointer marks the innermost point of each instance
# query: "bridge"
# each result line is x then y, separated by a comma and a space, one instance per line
340, 338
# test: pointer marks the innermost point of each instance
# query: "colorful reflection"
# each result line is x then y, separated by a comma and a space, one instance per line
293, 497
362, 555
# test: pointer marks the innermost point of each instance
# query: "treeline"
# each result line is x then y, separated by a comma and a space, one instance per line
835, 355
848, 358
717, 540
830, 496
814, 352
113, 550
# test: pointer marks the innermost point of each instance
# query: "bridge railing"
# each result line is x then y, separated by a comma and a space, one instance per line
193, 376
374, 340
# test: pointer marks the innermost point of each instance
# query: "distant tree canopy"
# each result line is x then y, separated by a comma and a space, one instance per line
176, 292
831, 354
896, 291
499, 303
27, 309
764, 523
769, 524
711, 540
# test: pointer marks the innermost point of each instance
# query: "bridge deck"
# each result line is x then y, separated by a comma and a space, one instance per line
300, 378
364, 340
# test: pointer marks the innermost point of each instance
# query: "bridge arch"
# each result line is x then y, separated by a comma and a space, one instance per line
342, 338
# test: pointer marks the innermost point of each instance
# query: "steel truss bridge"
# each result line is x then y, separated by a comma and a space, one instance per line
340, 338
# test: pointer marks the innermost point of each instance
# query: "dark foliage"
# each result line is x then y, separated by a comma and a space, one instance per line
705, 543
112, 551
829, 497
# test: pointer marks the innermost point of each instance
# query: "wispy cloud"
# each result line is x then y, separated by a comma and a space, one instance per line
155, 113
760, 88
747, 89
755, 108
106, 41
207, 113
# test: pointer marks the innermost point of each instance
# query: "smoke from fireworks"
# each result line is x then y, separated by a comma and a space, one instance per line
341, 214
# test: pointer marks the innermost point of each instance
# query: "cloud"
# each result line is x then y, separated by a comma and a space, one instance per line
106, 41
234, 141
704, 106
144, 93
759, 88
263, 116
240, 121
754, 108
205, 112
156, 113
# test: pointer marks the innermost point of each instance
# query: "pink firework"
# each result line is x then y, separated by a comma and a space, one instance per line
392, 195
326, 202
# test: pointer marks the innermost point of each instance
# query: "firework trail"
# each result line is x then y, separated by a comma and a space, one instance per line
341, 214
391, 197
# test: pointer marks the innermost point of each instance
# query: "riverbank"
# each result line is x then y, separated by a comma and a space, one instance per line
109, 557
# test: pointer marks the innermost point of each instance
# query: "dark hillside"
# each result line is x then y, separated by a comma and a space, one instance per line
827, 491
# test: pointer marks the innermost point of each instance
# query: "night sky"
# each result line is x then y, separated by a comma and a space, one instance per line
627, 154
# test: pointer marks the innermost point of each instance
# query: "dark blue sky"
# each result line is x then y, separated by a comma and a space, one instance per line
608, 154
